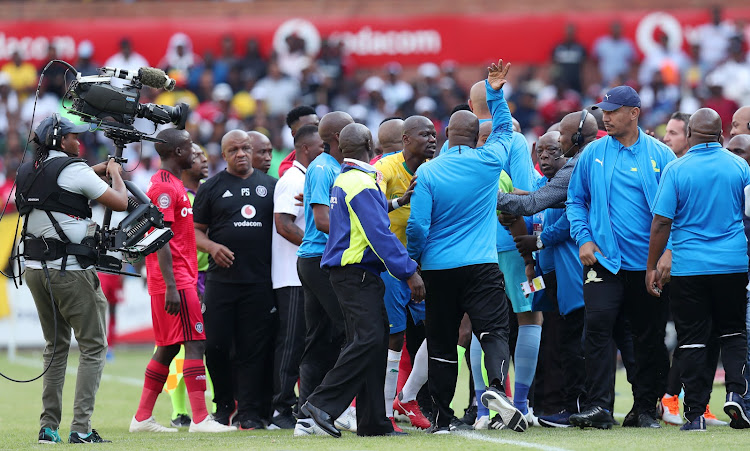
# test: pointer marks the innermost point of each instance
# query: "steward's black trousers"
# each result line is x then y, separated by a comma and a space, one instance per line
360, 368
324, 325
703, 304
478, 291
606, 296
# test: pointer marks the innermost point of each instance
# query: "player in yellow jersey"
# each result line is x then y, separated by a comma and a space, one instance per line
419, 140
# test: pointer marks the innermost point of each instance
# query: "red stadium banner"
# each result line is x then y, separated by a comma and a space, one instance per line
371, 41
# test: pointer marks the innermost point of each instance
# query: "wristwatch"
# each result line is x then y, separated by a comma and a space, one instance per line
539, 244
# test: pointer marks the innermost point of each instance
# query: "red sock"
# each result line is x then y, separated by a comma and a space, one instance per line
404, 369
156, 376
194, 375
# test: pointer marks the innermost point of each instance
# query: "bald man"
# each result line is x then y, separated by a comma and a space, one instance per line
741, 122
451, 232
360, 247
709, 264
234, 224
324, 322
389, 137
419, 144
262, 151
520, 167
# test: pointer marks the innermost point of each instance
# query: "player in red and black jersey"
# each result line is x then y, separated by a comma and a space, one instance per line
175, 309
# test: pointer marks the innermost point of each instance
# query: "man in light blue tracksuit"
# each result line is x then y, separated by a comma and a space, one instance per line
447, 234
520, 168
609, 204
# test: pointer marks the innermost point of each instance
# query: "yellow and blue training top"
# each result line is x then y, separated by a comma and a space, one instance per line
359, 233
395, 183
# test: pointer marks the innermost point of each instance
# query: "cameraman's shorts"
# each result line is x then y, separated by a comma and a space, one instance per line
187, 325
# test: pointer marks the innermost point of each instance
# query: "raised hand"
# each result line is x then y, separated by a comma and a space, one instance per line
497, 74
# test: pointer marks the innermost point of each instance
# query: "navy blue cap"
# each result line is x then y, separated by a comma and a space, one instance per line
66, 126
619, 96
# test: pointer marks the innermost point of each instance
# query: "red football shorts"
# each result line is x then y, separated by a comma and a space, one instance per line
112, 287
177, 329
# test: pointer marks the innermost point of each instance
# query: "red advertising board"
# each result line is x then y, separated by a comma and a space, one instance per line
465, 39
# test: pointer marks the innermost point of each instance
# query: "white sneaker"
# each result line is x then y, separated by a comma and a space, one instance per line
532, 419
148, 425
306, 427
348, 420
482, 423
210, 425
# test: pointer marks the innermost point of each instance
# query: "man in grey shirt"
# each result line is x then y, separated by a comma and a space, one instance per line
577, 130
57, 277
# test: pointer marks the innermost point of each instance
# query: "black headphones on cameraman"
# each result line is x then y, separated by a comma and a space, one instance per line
577, 137
53, 140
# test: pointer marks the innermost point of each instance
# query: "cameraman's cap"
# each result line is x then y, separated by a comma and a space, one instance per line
66, 126
619, 96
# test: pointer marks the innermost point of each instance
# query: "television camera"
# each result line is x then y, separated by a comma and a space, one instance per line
114, 110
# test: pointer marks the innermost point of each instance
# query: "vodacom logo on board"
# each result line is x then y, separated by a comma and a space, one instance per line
364, 41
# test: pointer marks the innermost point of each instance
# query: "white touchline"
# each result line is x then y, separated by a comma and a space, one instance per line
34, 363
486, 438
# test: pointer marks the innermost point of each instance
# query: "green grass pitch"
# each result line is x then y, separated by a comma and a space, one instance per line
121, 387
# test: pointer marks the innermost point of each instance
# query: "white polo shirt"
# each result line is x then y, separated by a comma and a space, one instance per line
283, 252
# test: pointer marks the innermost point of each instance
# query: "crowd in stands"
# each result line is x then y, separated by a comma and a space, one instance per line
239, 87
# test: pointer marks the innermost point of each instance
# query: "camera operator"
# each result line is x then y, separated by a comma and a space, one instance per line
54, 193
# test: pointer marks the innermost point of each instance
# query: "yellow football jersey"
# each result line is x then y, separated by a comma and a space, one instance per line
396, 179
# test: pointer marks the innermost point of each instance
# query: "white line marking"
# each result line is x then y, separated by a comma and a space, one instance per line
34, 363
486, 438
